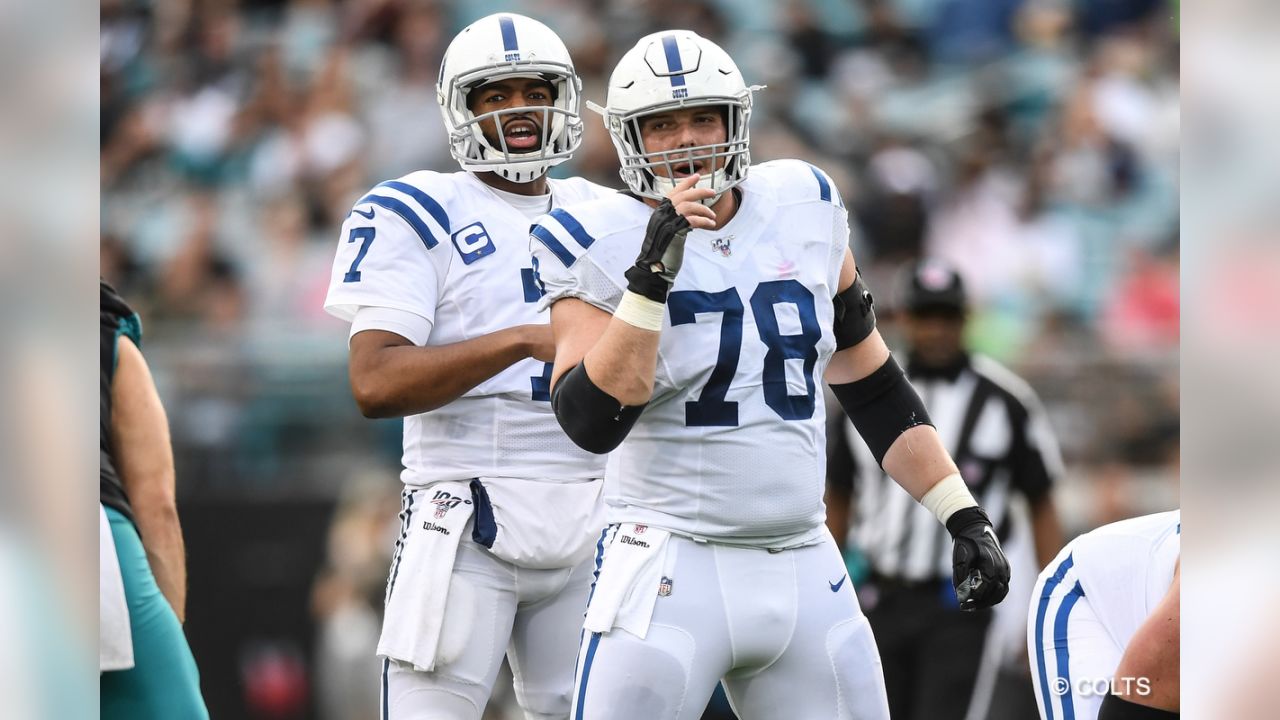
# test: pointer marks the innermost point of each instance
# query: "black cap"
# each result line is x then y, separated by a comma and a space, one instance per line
933, 284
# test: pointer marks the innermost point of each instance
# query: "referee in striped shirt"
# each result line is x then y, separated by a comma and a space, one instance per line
996, 430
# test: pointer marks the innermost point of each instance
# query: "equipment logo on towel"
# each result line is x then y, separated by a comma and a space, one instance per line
664, 587
445, 501
721, 245
641, 528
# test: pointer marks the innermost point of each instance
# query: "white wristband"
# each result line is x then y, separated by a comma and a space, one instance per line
639, 311
948, 496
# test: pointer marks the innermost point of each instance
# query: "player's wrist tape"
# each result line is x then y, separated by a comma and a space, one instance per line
947, 496
639, 311
882, 406
592, 418
1116, 708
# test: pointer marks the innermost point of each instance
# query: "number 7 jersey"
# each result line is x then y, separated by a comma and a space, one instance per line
732, 446
440, 258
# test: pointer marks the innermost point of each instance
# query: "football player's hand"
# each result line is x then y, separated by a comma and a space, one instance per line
539, 341
687, 200
979, 569
662, 252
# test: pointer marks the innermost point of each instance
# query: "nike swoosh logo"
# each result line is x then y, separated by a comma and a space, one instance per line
835, 587
368, 217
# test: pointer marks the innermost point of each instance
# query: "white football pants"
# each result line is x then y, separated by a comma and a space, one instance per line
783, 629
496, 608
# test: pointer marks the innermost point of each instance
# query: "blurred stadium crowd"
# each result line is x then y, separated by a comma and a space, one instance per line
1034, 143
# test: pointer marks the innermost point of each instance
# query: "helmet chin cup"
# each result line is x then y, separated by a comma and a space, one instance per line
663, 186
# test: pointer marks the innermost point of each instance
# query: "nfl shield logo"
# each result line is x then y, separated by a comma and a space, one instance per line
641, 528
721, 245
441, 509
664, 587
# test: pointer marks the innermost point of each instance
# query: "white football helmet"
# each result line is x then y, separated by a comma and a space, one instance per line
666, 71
509, 46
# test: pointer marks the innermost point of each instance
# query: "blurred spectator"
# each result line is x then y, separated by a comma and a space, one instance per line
894, 210
287, 281
972, 32
975, 228
404, 125
1143, 314
347, 598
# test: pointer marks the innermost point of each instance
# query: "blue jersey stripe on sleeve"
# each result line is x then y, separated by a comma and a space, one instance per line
824, 187
405, 212
1046, 596
423, 199
579, 234
545, 237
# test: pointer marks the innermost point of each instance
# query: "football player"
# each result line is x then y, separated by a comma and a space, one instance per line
500, 510
1103, 627
694, 319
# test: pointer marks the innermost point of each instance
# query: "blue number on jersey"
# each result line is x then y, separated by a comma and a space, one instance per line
764, 305
533, 290
366, 234
542, 384
711, 408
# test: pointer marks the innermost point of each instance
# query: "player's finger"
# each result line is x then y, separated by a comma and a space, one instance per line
690, 208
696, 195
697, 214
690, 203
684, 184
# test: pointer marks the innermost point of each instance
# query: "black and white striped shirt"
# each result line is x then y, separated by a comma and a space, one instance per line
996, 430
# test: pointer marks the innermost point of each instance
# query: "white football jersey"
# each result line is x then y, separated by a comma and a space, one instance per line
732, 445
1126, 568
447, 249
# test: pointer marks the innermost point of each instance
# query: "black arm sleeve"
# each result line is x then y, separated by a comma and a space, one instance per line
855, 315
591, 417
883, 405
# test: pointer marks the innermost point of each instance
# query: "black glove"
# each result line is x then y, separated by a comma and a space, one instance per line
979, 569
660, 255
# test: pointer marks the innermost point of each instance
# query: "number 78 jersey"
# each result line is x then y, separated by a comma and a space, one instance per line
732, 445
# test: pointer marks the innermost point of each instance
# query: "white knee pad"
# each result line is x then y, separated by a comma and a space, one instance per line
855, 660
543, 704
459, 619
413, 695
632, 679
